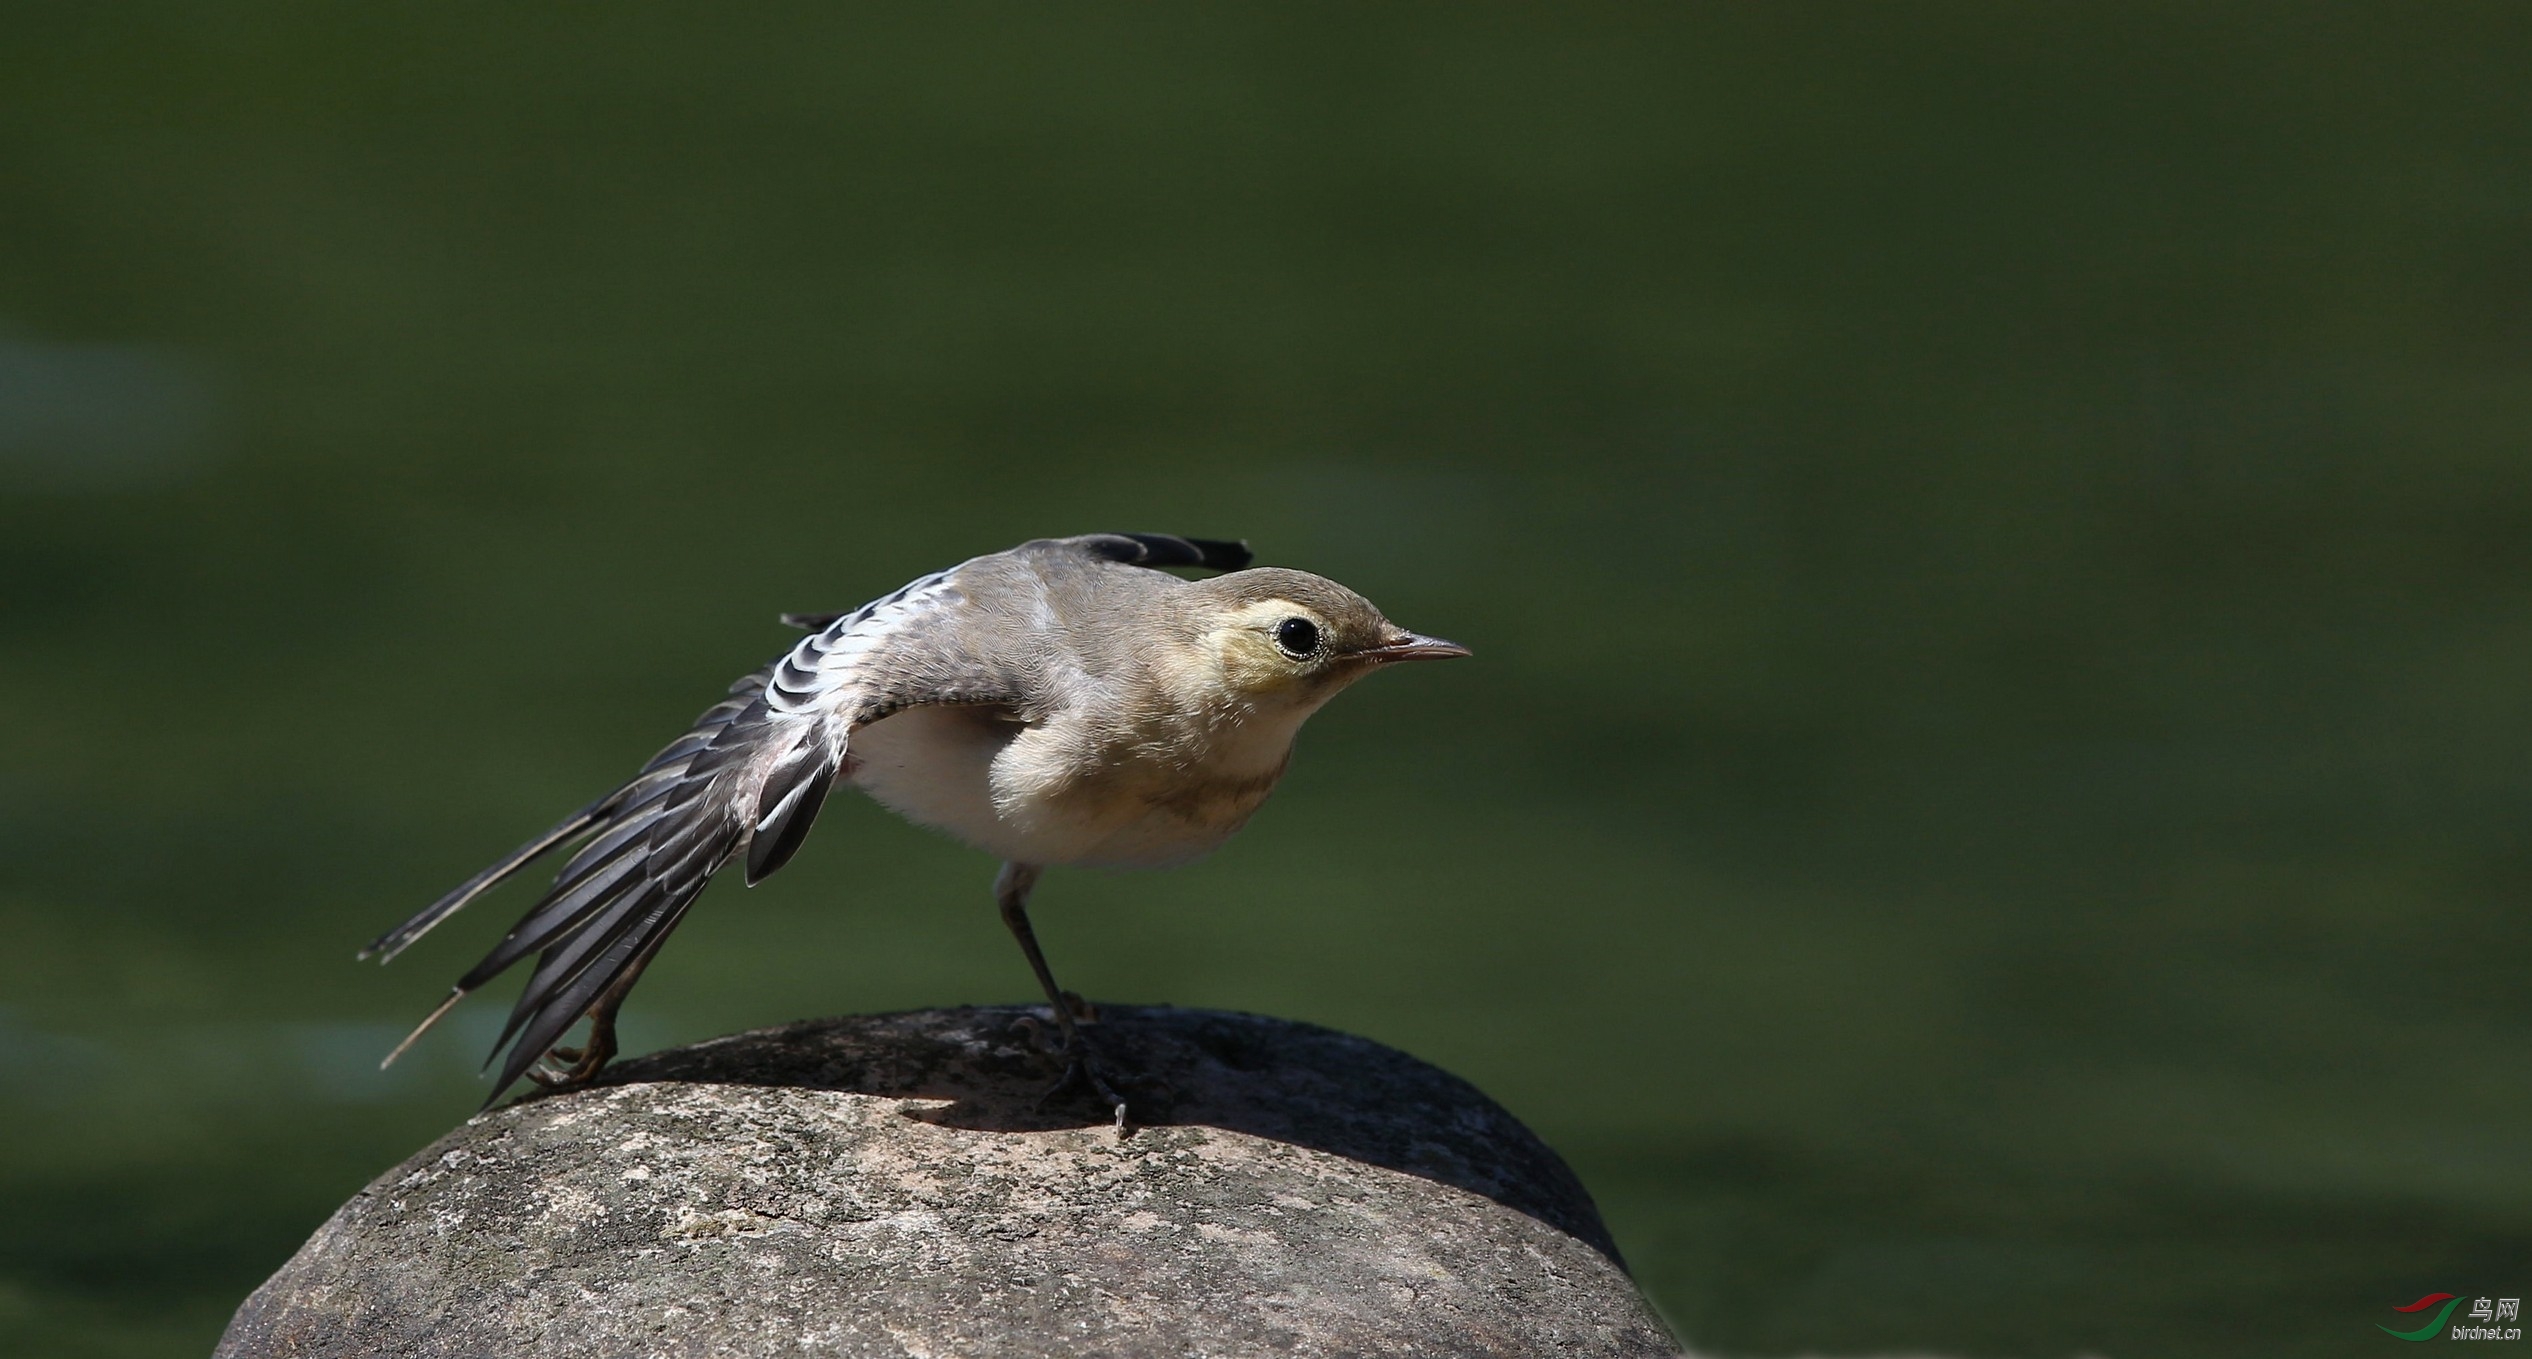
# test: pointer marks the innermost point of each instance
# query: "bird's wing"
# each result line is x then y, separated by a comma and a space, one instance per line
1154, 550
750, 774
967, 635
932, 643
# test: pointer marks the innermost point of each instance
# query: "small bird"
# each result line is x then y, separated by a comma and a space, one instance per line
1064, 702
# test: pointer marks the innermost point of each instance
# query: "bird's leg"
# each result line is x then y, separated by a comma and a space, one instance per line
574, 1066
1011, 890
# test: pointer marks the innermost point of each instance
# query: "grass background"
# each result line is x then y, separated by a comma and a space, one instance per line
1989, 816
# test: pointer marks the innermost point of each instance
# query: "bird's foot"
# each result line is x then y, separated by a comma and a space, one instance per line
570, 1068
1082, 1069
1081, 1066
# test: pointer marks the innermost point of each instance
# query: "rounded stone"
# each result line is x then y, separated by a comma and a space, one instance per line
887, 1185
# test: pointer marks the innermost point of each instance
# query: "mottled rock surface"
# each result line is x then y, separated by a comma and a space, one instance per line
885, 1185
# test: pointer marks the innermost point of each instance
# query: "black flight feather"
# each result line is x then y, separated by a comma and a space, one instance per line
794, 792
1164, 549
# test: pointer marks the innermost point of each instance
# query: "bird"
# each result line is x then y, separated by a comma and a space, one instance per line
1069, 701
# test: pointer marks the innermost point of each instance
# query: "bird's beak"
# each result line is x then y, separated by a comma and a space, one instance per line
1411, 647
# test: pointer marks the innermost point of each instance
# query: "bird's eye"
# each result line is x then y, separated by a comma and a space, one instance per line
1297, 636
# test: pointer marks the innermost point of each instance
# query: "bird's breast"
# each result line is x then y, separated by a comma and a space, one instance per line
934, 766
1063, 793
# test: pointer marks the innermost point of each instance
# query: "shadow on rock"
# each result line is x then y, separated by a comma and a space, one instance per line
986, 1069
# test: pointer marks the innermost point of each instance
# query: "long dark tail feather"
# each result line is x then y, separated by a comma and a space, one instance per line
563, 916
386, 946
598, 919
584, 887
634, 942
560, 966
580, 891
656, 840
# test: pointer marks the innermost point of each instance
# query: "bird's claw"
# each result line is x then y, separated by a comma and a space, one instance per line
567, 1068
1080, 1068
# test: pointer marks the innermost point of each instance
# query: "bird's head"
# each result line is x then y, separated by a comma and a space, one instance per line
1286, 635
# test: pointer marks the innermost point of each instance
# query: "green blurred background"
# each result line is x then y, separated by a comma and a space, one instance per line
1990, 813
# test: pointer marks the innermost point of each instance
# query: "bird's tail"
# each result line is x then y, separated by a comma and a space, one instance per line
650, 846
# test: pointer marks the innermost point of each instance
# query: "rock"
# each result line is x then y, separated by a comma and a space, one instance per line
885, 1185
